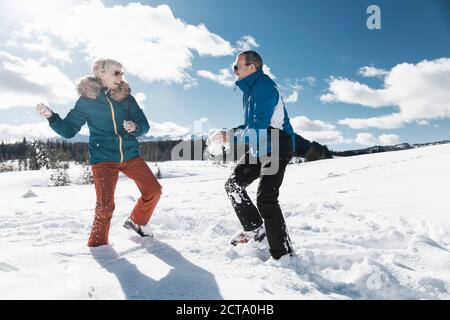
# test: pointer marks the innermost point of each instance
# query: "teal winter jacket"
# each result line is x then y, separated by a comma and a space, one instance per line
104, 112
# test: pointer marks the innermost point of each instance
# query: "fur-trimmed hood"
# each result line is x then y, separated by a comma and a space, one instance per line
90, 87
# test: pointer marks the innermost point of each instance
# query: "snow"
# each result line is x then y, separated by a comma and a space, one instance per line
366, 227
29, 194
216, 144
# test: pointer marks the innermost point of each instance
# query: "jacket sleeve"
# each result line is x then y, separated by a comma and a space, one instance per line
139, 118
71, 124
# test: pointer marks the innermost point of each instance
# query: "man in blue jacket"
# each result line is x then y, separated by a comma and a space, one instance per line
270, 137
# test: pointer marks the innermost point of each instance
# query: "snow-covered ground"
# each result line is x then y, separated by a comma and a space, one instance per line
367, 227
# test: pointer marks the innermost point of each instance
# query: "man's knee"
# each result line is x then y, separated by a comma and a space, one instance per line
231, 185
228, 185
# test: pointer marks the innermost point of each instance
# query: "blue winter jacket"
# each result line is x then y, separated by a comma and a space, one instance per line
263, 109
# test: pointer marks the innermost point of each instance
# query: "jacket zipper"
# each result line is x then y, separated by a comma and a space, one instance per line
115, 128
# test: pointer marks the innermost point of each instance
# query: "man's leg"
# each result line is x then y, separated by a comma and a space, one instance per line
267, 202
105, 180
243, 175
138, 170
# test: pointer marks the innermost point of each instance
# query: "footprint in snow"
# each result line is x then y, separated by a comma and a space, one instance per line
29, 194
7, 267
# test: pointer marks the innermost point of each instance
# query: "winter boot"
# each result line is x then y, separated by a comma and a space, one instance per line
143, 231
245, 236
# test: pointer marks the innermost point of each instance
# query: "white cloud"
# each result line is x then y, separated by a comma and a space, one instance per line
368, 139
38, 131
26, 82
292, 90
225, 77
387, 139
140, 99
267, 71
310, 80
423, 122
45, 46
317, 130
372, 72
246, 43
166, 129
384, 122
353, 92
42, 131
420, 92
189, 82
302, 123
25, 10
293, 96
150, 41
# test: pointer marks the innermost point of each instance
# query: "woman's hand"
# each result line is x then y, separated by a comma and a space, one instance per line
129, 126
44, 111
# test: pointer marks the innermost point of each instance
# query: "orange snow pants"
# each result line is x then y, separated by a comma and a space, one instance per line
105, 179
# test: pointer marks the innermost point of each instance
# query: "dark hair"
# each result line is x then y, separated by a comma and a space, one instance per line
252, 57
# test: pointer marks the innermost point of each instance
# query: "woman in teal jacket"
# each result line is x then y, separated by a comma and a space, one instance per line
115, 121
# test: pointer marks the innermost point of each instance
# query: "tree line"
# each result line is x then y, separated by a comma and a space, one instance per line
37, 154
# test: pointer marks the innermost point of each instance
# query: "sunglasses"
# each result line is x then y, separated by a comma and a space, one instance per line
118, 73
238, 66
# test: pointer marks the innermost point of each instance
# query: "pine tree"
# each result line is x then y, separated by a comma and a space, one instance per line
86, 176
20, 165
39, 156
158, 172
313, 154
325, 153
59, 178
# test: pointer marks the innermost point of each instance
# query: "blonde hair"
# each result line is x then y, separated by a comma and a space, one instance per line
101, 65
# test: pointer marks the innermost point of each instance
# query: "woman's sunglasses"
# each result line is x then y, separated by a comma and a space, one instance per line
118, 73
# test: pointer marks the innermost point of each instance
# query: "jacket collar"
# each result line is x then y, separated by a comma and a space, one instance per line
248, 82
90, 87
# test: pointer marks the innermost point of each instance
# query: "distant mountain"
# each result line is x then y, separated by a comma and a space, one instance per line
377, 149
83, 138
187, 136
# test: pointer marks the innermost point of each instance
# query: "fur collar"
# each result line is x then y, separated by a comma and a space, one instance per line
90, 87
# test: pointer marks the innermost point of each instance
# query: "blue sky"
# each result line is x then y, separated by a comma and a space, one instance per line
345, 85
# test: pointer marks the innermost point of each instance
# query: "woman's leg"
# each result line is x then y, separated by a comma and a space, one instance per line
138, 170
105, 180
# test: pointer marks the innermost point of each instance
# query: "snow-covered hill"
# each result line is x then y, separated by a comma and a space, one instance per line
367, 227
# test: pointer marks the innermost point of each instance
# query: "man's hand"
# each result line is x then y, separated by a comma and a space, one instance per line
44, 111
218, 142
221, 137
129, 126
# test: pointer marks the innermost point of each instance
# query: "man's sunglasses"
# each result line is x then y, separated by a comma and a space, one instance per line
238, 66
